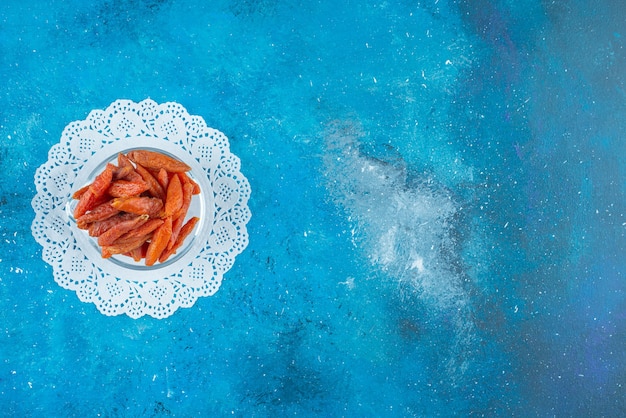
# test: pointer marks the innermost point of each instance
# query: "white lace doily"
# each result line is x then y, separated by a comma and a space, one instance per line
119, 285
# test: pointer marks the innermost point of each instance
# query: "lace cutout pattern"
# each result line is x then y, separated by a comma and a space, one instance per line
118, 285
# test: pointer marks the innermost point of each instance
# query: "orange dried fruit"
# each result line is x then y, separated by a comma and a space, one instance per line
184, 178
124, 246
136, 253
163, 178
124, 167
186, 203
78, 193
174, 198
85, 202
97, 228
156, 161
155, 188
99, 213
119, 229
159, 241
179, 217
125, 188
139, 205
102, 181
184, 232
97, 189
144, 229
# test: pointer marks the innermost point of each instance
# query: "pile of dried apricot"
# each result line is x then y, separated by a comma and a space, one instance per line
139, 207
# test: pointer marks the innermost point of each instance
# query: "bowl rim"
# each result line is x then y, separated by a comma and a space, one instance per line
124, 267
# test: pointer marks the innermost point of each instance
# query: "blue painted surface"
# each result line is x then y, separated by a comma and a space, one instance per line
438, 208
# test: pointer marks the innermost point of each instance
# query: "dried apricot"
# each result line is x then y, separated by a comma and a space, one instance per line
159, 241
125, 188
97, 189
121, 246
187, 196
174, 198
184, 232
184, 178
124, 167
85, 202
144, 229
179, 217
136, 253
156, 161
97, 228
119, 229
78, 193
139, 205
155, 188
102, 181
99, 213
163, 178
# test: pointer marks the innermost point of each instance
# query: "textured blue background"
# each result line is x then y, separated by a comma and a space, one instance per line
438, 208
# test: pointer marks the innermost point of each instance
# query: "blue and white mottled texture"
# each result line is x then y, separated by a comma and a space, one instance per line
465, 256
